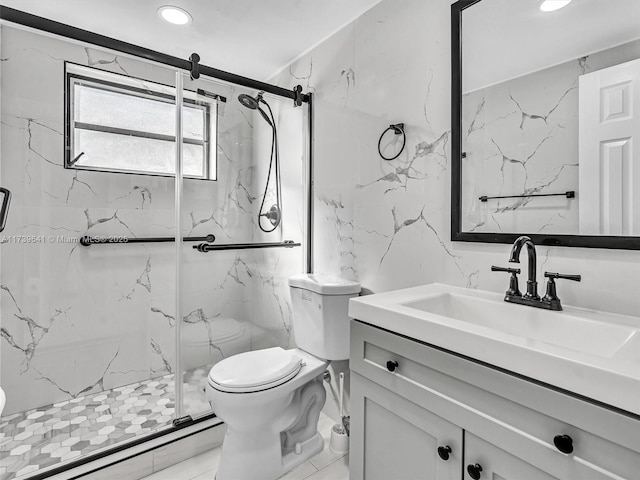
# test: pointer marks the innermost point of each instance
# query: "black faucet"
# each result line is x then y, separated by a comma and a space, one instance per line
531, 298
514, 257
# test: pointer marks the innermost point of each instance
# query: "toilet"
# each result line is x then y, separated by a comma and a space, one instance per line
271, 399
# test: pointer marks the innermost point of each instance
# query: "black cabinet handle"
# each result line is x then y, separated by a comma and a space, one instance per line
4, 209
392, 365
444, 452
474, 471
564, 443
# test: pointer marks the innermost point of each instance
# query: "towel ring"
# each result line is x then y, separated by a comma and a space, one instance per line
398, 129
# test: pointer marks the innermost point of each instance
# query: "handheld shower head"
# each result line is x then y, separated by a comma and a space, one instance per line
253, 103
248, 101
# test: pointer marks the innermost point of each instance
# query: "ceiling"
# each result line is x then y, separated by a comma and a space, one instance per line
254, 38
505, 39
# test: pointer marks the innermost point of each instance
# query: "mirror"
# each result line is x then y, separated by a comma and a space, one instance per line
545, 108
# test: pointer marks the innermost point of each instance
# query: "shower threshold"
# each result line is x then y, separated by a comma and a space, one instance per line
40, 438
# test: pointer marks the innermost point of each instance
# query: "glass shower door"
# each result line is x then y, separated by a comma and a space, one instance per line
87, 312
234, 294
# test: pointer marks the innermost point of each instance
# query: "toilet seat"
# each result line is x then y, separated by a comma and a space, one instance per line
255, 371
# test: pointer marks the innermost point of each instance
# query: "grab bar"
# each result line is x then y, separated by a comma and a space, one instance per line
100, 240
4, 210
569, 194
203, 247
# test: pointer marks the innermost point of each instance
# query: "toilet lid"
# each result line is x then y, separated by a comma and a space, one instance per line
256, 370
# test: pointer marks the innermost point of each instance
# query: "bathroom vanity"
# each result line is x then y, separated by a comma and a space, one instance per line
450, 383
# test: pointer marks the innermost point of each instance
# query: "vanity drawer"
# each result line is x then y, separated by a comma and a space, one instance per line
510, 412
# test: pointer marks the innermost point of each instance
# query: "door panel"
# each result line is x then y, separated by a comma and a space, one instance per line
500, 464
400, 440
497, 464
234, 297
609, 113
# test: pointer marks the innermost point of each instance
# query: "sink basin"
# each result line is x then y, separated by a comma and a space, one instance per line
587, 352
537, 325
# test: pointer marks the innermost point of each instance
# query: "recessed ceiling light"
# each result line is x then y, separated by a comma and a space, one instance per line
551, 5
174, 15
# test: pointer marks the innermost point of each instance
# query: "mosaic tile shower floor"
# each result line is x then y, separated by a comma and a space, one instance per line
42, 437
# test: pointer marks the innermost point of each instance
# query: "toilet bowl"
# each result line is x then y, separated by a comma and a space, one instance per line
271, 399
271, 415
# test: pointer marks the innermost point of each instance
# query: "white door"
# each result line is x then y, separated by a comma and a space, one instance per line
609, 148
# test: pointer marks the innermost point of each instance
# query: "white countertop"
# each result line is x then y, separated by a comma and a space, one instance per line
611, 375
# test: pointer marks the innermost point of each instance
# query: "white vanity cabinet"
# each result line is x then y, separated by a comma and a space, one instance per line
502, 425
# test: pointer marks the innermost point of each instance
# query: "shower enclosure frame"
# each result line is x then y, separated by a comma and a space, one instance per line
17, 17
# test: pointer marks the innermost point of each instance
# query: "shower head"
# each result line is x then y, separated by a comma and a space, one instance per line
253, 103
248, 101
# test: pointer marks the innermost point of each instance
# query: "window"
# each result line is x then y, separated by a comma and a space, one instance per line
121, 124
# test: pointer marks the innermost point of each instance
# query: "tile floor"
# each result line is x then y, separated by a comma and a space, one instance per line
41, 437
326, 465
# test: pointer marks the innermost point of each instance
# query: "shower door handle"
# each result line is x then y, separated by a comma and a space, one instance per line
4, 209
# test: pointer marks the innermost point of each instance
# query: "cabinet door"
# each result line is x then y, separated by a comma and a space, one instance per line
498, 464
393, 438
493, 463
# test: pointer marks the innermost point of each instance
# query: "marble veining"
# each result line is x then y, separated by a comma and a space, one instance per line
338, 223
36, 331
98, 385
304, 77
144, 192
93, 62
400, 225
401, 174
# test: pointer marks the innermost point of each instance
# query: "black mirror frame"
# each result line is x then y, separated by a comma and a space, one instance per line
457, 235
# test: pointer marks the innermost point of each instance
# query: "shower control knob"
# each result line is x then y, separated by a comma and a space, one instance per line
564, 443
474, 471
444, 452
392, 365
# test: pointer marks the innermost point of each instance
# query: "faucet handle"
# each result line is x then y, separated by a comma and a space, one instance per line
553, 275
551, 296
513, 291
504, 269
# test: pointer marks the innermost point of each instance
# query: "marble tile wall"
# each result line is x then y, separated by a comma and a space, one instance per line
78, 320
387, 224
521, 138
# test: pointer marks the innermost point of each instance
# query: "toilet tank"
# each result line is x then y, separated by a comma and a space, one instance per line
320, 321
